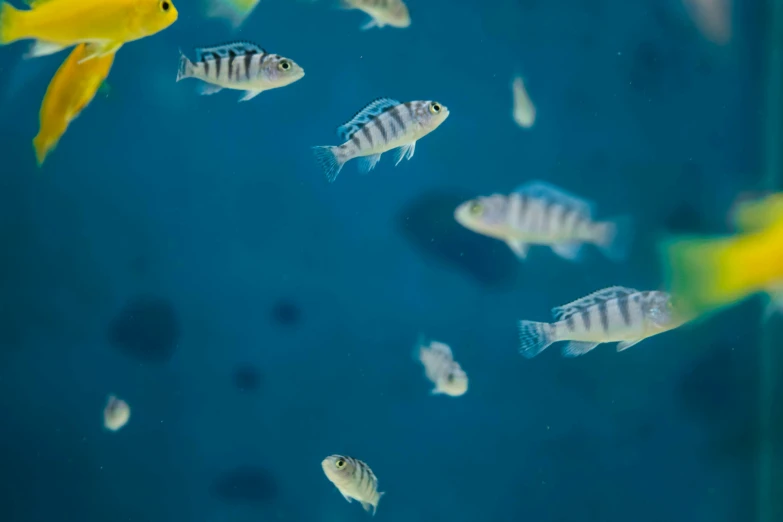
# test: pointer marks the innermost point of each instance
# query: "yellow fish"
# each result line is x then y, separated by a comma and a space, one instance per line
707, 274
104, 24
72, 88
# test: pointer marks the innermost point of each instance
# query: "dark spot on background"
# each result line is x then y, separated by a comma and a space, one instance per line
428, 224
286, 313
245, 485
247, 378
147, 329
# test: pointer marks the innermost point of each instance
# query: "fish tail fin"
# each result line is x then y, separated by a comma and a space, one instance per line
330, 163
534, 338
9, 23
42, 146
185, 67
421, 342
616, 237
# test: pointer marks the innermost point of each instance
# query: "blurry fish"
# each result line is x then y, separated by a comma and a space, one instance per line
393, 13
712, 18
72, 88
441, 368
707, 274
116, 414
242, 66
57, 24
354, 479
524, 111
381, 126
614, 314
235, 11
541, 214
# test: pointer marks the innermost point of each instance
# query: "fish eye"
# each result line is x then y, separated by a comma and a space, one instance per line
340, 464
434, 107
165, 5
284, 65
476, 208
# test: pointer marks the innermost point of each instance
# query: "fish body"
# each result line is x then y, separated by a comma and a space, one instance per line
353, 479
524, 112
383, 125
72, 88
240, 65
57, 24
616, 314
393, 13
538, 213
707, 274
116, 414
442, 370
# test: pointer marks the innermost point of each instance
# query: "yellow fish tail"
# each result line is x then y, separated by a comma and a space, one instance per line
10, 18
42, 145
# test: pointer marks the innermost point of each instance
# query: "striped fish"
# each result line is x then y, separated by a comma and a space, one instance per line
393, 13
615, 314
541, 214
354, 479
381, 126
440, 367
240, 65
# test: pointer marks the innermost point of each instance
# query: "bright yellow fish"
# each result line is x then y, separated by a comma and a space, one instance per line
72, 88
104, 24
707, 274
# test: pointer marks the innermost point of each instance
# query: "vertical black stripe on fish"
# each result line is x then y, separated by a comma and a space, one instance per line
378, 122
367, 134
625, 310
586, 318
218, 63
249, 54
543, 226
411, 112
564, 218
205, 64
356, 141
604, 313
570, 323
397, 117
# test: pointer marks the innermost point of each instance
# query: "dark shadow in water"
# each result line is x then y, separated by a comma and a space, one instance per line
247, 378
428, 224
245, 485
147, 329
286, 313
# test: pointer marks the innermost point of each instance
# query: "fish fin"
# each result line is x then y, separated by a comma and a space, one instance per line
406, 151
9, 23
368, 507
240, 47
232, 11
577, 348
208, 89
571, 251
43, 146
367, 163
96, 50
361, 118
534, 338
519, 248
624, 345
543, 190
185, 67
372, 22
346, 497
756, 214
330, 163
421, 343
42, 48
616, 238
561, 313
249, 95
436, 391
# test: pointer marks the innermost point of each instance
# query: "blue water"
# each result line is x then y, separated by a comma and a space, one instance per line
315, 293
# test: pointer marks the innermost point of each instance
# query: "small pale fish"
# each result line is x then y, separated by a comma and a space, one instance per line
616, 314
393, 13
440, 367
538, 213
524, 111
353, 479
381, 126
116, 414
241, 66
234, 11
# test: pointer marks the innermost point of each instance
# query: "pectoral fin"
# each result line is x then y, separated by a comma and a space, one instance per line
96, 50
518, 247
577, 348
43, 48
627, 344
249, 95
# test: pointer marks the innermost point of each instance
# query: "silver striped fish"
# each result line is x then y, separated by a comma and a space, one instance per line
393, 13
381, 126
538, 213
441, 369
354, 479
240, 65
616, 314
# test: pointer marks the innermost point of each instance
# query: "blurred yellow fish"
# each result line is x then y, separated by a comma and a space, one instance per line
72, 88
105, 25
707, 274
234, 11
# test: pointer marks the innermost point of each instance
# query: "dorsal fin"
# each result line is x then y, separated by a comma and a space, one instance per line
223, 51
543, 190
561, 313
374, 108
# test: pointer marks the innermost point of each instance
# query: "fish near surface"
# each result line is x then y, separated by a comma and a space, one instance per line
241, 66
441, 369
616, 314
234, 11
72, 88
383, 125
538, 213
353, 479
393, 13
105, 25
